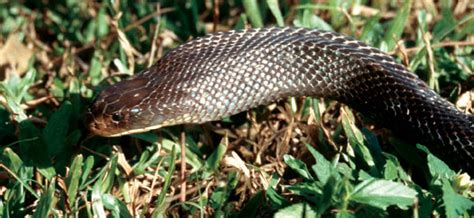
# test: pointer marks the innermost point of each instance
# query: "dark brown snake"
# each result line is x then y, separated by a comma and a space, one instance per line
225, 73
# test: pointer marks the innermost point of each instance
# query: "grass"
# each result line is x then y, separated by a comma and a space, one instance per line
300, 157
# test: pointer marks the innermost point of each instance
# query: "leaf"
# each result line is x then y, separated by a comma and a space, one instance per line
337, 15
32, 149
456, 205
395, 30
102, 24
356, 139
55, 132
122, 67
222, 193
253, 204
276, 200
309, 190
275, 9
445, 25
45, 204
97, 204
117, 207
383, 193
298, 166
72, 181
323, 168
344, 214
215, 158
13, 106
107, 175
330, 190
11, 160
95, 69
253, 12
438, 168
393, 170
147, 158
191, 158
86, 169
160, 202
309, 20
296, 210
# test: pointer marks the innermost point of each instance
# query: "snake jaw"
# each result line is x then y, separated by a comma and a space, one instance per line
97, 125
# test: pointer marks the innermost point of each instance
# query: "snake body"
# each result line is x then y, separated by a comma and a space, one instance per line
228, 72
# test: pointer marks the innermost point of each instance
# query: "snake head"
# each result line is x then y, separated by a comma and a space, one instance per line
119, 110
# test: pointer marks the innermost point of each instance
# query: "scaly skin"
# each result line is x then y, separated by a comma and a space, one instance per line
226, 73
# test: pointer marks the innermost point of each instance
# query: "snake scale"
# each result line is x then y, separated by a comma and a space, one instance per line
225, 73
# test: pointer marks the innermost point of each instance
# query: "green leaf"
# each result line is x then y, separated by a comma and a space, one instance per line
46, 202
215, 158
309, 20
330, 189
344, 214
456, 205
95, 69
97, 204
302, 210
445, 25
275, 9
147, 158
253, 12
356, 139
253, 204
398, 24
102, 24
393, 170
55, 132
72, 181
160, 202
222, 193
372, 30
311, 191
298, 166
439, 169
191, 158
323, 168
32, 149
276, 200
11, 160
117, 207
107, 175
12, 104
86, 169
337, 15
383, 193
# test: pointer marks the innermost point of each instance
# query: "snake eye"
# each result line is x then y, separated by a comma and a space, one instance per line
117, 117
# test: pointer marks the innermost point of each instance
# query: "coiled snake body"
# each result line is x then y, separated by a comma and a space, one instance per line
225, 73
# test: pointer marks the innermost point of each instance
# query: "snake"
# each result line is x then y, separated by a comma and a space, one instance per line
224, 73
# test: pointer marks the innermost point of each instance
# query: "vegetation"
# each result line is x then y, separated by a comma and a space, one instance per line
298, 157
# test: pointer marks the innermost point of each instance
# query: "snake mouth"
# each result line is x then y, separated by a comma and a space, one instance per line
92, 123
97, 125
133, 131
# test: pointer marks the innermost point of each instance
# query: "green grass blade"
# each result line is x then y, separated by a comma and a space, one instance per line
275, 9
46, 202
160, 202
397, 26
72, 181
253, 12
